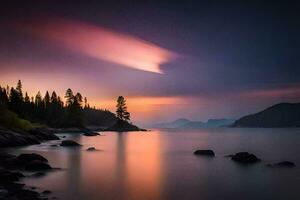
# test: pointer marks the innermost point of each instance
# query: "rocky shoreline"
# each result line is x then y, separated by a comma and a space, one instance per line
12, 138
12, 170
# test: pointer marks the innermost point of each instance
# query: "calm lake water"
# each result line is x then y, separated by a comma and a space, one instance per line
160, 165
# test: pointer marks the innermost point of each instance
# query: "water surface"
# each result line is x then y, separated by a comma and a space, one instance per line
160, 165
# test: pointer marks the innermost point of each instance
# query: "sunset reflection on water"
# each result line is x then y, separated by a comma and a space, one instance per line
127, 166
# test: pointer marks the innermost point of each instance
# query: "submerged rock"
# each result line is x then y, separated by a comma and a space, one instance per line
245, 158
283, 164
91, 134
205, 152
37, 165
91, 149
69, 143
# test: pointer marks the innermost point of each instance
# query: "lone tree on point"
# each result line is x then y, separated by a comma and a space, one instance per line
122, 112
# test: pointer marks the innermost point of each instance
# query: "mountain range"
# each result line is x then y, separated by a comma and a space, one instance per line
188, 124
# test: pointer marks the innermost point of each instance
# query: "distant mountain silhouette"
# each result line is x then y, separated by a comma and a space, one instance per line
175, 124
188, 124
279, 115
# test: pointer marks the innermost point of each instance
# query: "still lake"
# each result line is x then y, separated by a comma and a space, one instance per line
160, 165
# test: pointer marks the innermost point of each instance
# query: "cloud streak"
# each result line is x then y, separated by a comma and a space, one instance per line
102, 43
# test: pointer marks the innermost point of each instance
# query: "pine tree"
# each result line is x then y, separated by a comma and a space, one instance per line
19, 90
74, 115
122, 112
85, 103
39, 106
69, 97
3, 98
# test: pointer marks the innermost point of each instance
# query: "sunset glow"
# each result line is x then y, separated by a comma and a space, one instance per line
102, 43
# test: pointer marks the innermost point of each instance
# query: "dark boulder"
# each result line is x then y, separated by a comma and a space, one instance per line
205, 153
91, 149
24, 160
245, 158
283, 164
31, 157
69, 143
10, 138
37, 165
43, 134
7, 176
91, 134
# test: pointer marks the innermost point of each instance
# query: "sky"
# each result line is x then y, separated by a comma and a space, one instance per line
169, 59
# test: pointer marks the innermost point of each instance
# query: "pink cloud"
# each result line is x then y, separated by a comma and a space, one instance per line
102, 43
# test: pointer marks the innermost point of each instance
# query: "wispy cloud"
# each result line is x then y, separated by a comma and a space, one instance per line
102, 43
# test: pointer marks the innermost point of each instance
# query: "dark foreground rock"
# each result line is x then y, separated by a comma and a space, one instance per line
9, 188
11, 138
283, 164
124, 126
69, 143
205, 152
245, 158
7, 176
44, 134
30, 162
37, 165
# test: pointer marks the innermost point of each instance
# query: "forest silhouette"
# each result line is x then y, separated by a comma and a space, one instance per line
18, 110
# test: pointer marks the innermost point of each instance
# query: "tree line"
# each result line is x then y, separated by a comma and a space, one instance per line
51, 110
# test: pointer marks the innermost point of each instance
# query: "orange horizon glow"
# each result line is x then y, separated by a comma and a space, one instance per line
102, 43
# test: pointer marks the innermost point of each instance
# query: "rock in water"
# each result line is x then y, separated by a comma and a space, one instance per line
21, 161
91, 134
37, 165
245, 158
69, 143
43, 134
205, 152
283, 164
91, 149
31, 157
